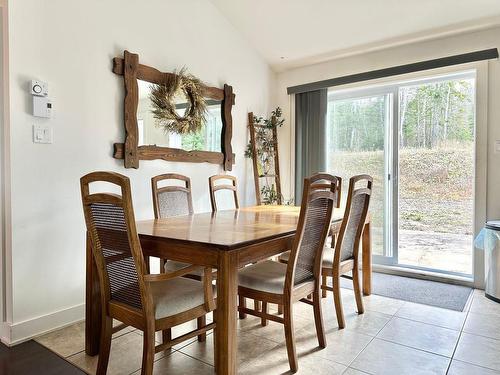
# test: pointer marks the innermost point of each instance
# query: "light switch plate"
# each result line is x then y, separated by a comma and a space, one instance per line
42, 134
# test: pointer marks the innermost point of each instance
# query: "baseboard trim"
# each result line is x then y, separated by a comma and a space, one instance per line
19, 332
5, 333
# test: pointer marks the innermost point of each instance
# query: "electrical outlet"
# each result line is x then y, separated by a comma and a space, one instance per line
42, 134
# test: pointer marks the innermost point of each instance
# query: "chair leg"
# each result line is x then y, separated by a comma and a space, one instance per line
337, 298
280, 309
289, 337
242, 303
357, 290
216, 356
256, 305
202, 322
148, 350
166, 336
105, 345
263, 321
318, 318
324, 284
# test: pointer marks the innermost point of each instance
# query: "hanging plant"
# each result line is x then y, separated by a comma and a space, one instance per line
163, 98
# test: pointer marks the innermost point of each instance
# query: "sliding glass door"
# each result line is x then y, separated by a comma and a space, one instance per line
359, 127
417, 141
436, 174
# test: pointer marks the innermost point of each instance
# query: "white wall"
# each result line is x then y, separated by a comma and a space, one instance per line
70, 44
398, 56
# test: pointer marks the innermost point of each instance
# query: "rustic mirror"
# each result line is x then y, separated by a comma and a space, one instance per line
147, 139
150, 131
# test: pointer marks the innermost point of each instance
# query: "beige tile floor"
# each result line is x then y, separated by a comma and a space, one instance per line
392, 337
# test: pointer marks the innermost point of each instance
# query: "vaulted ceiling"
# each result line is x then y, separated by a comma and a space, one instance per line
291, 33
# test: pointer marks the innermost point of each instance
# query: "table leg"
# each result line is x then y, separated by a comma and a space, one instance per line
227, 290
92, 305
367, 259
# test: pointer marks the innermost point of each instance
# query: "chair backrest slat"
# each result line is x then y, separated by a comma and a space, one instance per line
358, 201
318, 200
115, 244
171, 200
213, 188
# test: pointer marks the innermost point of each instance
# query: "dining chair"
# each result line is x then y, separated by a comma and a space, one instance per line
332, 235
175, 199
171, 200
274, 282
333, 229
129, 293
343, 258
230, 185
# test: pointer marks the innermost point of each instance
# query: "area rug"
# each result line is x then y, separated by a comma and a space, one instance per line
447, 296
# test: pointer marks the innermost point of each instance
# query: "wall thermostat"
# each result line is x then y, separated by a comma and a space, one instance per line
39, 88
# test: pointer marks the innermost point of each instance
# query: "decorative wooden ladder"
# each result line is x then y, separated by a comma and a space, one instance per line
266, 170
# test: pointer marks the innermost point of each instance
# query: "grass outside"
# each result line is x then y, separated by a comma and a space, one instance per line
435, 186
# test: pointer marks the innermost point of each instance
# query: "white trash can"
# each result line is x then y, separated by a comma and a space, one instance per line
489, 240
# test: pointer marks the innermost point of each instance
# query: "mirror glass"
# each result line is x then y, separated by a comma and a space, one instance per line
150, 133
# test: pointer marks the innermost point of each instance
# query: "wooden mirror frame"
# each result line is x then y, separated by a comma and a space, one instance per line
131, 152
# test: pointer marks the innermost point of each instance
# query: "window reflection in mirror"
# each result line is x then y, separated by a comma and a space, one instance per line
150, 133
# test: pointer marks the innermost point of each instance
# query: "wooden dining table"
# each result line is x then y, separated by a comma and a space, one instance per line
225, 240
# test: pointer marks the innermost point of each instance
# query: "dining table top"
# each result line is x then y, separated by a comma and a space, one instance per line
228, 228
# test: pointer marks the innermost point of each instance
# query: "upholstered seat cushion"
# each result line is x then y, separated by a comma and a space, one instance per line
327, 257
176, 295
172, 266
267, 276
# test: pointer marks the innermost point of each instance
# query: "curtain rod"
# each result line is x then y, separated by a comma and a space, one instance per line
486, 54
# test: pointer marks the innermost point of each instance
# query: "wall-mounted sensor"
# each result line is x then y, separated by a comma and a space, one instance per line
42, 106
39, 88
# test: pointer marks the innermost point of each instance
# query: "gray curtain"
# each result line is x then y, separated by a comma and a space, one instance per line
310, 136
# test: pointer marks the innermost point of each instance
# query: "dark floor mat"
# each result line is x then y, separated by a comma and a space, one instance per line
433, 293
31, 358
